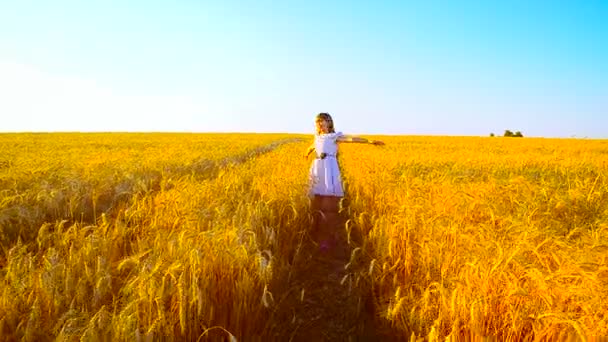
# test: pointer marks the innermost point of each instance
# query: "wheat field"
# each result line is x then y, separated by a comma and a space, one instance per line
206, 237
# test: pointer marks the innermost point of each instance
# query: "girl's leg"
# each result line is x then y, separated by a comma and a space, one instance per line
334, 204
320, 219
325, 229
315, 209
330, 224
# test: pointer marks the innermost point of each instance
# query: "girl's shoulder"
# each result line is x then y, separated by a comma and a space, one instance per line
329, 135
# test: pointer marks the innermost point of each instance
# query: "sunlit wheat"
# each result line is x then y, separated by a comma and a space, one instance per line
194, 237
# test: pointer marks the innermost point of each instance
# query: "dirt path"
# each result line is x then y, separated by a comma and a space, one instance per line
325, 303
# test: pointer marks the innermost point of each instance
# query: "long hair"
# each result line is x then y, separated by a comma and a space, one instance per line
330, 121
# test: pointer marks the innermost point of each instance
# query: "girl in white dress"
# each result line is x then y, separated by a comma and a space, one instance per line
325, 178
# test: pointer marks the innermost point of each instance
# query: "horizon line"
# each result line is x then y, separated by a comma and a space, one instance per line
299, 133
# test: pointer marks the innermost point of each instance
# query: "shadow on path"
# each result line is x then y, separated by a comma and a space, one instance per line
325, 300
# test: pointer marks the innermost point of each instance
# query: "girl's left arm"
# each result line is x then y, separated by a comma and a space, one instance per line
354, 139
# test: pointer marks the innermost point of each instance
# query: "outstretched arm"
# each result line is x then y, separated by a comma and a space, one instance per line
309, 150
354, 139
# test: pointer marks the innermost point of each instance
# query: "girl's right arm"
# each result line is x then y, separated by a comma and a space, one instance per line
310, 149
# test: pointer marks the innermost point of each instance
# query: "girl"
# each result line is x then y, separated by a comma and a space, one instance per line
325, 179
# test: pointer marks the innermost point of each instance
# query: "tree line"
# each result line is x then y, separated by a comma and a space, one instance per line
508, 133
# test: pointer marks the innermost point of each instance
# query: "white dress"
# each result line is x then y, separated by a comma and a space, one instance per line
325, 178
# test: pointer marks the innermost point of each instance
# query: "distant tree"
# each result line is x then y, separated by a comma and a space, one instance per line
517, 134
491, 134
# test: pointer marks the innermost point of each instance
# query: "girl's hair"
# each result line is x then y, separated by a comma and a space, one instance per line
330, 121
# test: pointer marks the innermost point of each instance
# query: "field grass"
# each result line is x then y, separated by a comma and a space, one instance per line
485, 237
199, 236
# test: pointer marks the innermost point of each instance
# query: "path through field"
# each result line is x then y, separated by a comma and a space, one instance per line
324, 302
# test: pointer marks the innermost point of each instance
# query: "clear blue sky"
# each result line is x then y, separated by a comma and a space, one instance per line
433, 67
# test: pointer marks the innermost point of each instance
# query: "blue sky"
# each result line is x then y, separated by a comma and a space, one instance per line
424, 68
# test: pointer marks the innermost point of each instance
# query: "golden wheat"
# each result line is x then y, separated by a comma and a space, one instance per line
178, 236
486, 237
